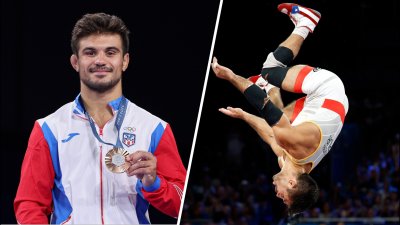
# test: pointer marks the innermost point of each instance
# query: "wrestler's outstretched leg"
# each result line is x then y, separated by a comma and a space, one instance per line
275, 68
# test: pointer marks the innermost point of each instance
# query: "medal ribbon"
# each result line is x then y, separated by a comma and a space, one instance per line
118, 122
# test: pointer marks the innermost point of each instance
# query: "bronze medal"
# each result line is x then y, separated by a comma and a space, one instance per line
115, 160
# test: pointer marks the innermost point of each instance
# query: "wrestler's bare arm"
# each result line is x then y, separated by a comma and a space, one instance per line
258, 124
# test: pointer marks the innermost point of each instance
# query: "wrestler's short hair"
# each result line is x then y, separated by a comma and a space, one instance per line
304, 195
99, 23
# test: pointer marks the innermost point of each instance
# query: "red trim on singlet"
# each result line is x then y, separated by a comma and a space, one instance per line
297, 108
330, 104
335, 106
300, 78
254, 78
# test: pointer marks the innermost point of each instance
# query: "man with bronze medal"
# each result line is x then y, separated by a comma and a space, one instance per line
100, 158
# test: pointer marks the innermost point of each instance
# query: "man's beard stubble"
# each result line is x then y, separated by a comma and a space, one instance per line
100, 87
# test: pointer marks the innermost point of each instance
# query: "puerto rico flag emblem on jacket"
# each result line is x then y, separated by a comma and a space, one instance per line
128, 139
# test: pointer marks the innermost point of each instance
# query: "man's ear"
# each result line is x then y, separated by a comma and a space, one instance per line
292, 183
125, 62
74, 62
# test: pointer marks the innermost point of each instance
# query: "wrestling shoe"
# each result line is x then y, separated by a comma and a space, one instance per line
261, 83
301, 16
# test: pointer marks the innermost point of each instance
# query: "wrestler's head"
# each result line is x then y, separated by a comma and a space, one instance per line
100, 52
298, 191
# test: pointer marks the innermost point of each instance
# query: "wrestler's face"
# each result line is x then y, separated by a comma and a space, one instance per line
282, 184
100, 62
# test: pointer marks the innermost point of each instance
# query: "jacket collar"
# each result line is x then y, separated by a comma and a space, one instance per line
80, 110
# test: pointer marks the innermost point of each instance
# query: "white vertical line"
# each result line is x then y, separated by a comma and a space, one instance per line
200, 109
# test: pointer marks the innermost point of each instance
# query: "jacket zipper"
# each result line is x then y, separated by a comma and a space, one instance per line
101, 178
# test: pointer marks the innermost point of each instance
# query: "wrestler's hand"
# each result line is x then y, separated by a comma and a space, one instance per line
233, 112
143, 166
221, 71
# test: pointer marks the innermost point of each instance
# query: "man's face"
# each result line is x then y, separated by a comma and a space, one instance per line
282, 185
100, 61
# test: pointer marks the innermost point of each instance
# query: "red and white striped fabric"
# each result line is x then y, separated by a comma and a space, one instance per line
301, 16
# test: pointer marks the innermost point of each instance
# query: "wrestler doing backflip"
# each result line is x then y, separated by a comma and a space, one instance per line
302, 133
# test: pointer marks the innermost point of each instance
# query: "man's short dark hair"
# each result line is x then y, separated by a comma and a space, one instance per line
304, 195
99, 23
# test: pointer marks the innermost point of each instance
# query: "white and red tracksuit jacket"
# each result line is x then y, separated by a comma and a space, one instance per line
64, 172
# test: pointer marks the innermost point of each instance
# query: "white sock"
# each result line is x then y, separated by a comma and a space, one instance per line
302, 31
